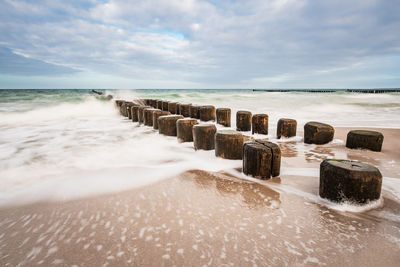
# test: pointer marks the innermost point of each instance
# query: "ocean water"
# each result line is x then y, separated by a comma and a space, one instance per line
63, 144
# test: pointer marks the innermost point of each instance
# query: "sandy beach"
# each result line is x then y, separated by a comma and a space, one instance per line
206, 218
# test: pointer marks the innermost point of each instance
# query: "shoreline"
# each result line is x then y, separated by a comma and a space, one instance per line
213, 218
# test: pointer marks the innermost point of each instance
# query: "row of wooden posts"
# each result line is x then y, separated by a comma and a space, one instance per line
339, 179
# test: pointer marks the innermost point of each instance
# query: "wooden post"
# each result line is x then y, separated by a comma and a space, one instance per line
365, 139
172, 107
194, 111
159, 104
156, 115
276, 156
184, 128
346, 180
167, 124
318, 133
122, 110
259, 124
286, 128
165, 105
261, 159
229, 144
178, 108
141, 113
185, 112
203, 136
207, 113
243, 120
135, 113
224, 116
148, 116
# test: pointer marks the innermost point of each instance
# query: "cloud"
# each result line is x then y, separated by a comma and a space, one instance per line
12, 63
211, 43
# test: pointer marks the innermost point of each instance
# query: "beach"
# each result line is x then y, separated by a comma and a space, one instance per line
88, 187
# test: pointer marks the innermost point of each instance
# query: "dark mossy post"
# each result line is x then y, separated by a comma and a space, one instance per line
156, 115
159, 104
172, 107
154, 103
148, 116
259, 124
194, 111
141, 113
165, 105
167, 124
207, 113
203, 136
365, 139
318, 133
224, 116
276, 156
243, 120
135, 113
257, 160
229, 144
184, 129
261, 159
185, 110
346, 180
286, 128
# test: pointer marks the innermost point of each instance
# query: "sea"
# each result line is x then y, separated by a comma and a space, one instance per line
63, 144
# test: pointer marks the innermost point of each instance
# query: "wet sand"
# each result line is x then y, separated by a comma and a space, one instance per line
202, 218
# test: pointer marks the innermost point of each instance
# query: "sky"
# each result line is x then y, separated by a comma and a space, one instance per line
200, 44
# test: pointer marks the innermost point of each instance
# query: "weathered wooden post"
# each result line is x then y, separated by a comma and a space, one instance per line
178, 108
128, 109
148, 116
203, 136
259, 124
135, 113
167, 124
194, 111
224, 116
159, 104
156, 114
141, 113
318, 133
172, 107
184, 129
243, 120
165, 105
185, 110
365, 139
207, 113
346, 180
261, 159
276, 156
154, 103
286, 128
229, 144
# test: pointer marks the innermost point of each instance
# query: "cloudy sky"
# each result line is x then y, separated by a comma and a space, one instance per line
200, 44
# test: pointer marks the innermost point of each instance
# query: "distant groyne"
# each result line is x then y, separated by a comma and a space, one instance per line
365, 91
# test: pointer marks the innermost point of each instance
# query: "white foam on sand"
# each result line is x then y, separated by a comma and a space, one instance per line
81, 153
